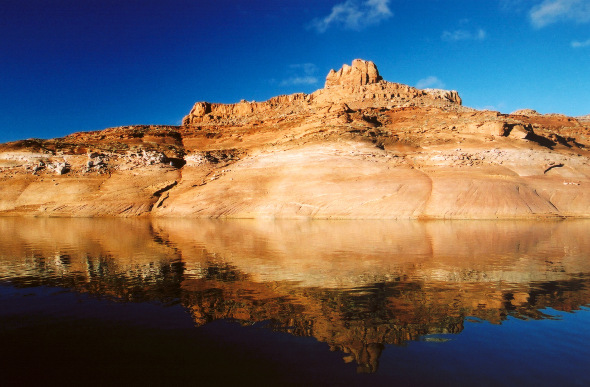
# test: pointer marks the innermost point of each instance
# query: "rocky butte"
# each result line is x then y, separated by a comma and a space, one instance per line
361, 147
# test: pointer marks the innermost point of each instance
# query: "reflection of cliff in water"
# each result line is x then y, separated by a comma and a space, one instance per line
360, 321
354, 285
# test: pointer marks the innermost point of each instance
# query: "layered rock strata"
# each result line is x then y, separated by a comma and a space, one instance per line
361, 147
358, 86
360, 73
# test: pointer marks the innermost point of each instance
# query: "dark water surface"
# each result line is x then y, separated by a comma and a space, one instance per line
204, 302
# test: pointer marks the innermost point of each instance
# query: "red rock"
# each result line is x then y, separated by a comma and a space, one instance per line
360, 148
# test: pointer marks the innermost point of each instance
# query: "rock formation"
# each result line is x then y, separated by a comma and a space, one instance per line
361, 147
525, 112
359, 86
361, 72
445, 95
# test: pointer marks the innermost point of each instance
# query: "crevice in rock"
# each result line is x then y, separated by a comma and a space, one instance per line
553, 166
162, 194
162, 199
159, 192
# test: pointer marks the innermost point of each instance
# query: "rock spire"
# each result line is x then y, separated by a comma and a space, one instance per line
362, 72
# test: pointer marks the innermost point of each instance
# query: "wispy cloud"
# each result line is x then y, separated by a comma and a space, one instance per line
578, 44
499, 107
430, 82
301, 74
553, 11
303, 80
457, 35
517, 6
354, 15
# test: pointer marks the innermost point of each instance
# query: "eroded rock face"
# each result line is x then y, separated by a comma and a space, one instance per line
208, 112
445, 95
526, 112
358, 85
360, 148
361, 72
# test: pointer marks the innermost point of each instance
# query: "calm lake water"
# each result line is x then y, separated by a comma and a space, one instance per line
208, 302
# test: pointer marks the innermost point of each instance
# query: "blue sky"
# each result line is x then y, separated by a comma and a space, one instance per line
78, 65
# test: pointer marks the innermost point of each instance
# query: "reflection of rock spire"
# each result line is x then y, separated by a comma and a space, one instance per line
216, 279
366, 356
356, 322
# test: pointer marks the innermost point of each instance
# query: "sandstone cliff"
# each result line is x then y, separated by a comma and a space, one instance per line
361, 147
358, 86
360, 73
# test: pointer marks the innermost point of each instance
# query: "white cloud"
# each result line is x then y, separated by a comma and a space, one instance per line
577, 44
354, 15
454, 36
553, 11
307, 68
430, 82
305, 80
499, 107
301, 74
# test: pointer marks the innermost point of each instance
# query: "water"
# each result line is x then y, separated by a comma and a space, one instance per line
212, 302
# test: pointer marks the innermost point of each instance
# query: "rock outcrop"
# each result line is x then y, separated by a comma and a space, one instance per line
525, 112
359, 86
361, 73
445, 95
211, 112
362, 147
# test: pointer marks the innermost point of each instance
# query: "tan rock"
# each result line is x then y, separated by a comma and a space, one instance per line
360, 148
445, 95
358, 86
494, 128
520, 131
361, 72
525, 112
